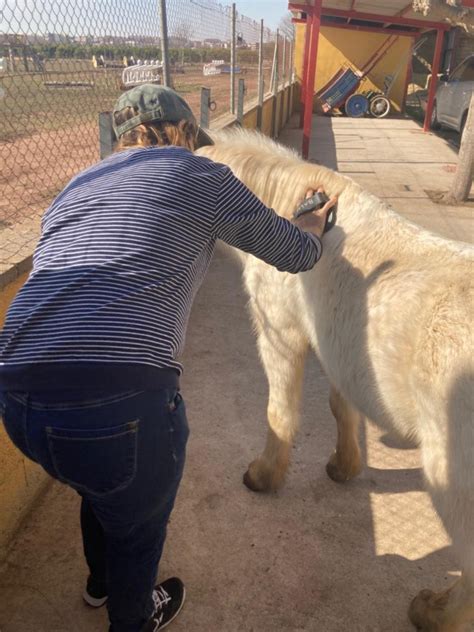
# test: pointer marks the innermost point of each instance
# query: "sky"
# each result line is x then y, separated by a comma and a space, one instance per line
202, 18
270, 10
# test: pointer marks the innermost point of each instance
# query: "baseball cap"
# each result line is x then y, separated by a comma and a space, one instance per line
156, 103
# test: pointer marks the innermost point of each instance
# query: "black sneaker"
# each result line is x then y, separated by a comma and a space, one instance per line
95, 593
169, 598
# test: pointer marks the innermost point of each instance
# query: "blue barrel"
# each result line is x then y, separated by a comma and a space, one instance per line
356, 105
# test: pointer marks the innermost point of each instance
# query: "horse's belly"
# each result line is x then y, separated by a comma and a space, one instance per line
362, 352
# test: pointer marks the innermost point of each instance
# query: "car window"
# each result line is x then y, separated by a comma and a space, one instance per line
465, 72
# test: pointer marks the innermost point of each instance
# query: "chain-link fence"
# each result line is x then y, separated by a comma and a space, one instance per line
64, 61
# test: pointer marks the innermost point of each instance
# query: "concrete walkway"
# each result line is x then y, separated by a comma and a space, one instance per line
394, 159
315, 557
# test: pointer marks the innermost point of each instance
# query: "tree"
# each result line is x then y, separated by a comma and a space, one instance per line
462, 182
286, 26
183, 31
450, 10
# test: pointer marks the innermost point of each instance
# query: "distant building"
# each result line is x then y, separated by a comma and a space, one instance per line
212, 42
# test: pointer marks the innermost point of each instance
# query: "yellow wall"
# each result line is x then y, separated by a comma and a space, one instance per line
339, 47
20, 479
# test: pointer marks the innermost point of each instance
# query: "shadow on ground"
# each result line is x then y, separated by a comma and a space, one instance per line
316, 556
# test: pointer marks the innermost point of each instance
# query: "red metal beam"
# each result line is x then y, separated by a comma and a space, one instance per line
434, 79
369, 29
309, 91
304, 78
385, 19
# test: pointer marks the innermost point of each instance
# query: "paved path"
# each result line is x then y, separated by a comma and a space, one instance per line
395, 160
315, 557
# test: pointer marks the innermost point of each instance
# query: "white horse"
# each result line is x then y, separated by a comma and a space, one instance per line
387, 310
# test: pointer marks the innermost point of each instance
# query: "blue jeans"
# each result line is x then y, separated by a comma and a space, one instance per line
124, 454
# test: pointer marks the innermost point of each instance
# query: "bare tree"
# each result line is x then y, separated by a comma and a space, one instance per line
286, 26
183, 31
450, 10
462, 182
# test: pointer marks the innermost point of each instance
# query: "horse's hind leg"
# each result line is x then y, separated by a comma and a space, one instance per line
447, 461
345, 462
283, 354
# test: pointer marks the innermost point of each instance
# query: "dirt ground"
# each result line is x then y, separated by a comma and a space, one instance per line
41, 150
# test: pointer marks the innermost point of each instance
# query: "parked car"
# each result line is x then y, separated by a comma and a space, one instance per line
453, 97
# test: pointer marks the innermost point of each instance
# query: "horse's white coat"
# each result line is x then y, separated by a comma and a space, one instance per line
388, 311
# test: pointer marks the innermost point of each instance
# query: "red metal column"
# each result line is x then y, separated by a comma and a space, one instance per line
304, 78
309, 89
434, 79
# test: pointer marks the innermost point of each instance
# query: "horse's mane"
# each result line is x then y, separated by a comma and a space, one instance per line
282, 177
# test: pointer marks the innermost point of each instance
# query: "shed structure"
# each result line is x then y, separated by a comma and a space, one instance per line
363, 25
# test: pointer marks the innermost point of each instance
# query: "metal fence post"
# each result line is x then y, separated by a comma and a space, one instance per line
290, 81
106, 135
275, 88
164, 44
276, 69
205, 100
240, 102
260, 79
290, 61
232, 61
283, 77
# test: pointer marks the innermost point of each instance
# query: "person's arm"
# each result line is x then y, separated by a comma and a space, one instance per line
243, 221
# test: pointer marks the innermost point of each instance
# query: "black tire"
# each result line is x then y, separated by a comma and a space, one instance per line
435, 124
379, 106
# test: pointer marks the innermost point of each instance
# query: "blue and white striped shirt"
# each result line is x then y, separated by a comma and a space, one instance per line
123, 251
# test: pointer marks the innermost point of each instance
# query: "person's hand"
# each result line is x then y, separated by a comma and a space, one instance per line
315, 221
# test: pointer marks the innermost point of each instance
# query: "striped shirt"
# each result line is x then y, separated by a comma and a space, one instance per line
123, 251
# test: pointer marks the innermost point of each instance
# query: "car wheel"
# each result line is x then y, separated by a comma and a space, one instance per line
434, 117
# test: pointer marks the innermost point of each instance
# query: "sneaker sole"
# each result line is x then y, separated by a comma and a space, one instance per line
92, 601
177, 611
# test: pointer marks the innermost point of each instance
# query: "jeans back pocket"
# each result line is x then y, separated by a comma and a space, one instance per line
94, 460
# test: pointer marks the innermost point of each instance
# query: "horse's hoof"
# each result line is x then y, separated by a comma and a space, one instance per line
334, 473
260, 477
250, 483
426, 611
340, 476
417, 612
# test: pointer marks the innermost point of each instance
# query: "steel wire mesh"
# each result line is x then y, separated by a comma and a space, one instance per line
62, 62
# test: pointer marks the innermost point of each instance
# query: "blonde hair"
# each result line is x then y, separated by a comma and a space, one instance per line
182, 133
